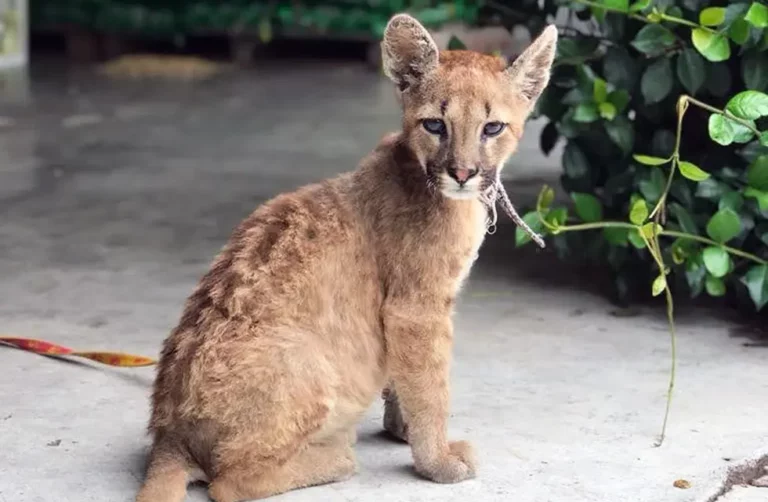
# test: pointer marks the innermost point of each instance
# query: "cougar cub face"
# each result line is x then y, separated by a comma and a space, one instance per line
463, 112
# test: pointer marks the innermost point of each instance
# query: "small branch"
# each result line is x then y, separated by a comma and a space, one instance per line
710, 242
631, 15
682, 107
724, 113
685, 22
664, 233
607, 8
670, 323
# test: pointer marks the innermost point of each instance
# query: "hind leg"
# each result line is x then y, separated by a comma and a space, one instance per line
315, 464
394, 423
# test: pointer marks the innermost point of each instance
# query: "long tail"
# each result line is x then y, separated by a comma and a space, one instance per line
167, 477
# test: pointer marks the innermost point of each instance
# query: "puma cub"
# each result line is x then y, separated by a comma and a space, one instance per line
325, 296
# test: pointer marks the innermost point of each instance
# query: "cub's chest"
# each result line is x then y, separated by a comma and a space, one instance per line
473, 238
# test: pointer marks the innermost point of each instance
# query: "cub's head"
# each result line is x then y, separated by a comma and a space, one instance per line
463, 112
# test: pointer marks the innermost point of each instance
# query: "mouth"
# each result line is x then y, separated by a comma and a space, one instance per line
460, 193
452, 189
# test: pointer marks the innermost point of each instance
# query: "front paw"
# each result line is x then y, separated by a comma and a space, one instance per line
455, 466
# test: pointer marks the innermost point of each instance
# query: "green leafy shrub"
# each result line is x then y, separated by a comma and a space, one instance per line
685, 187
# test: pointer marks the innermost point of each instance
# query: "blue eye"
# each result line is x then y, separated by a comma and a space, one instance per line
434, 126
493, 128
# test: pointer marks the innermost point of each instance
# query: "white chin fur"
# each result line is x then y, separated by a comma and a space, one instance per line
451, 189
460, 194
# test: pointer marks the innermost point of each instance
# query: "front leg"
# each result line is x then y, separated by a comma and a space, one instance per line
419, 351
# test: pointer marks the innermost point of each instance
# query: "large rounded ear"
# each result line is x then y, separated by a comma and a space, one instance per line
530, 71
408, 51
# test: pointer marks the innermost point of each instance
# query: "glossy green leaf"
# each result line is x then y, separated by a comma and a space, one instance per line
684, 218
617, 236
575, 51
717, 260
710, 189
682, 249
619, 98
585, 113
455, 44
759, 195
636, 239
638, 212
739, 31
653, 186
762, 233
712, 16
721, 129
599, 90
695, 273
607, 110
659, 285
651, 230
621, 5
588, 207
757, 174
545, 199
715, 286
557, 217
532, 219
764, 138
754, 70
621, 132
748, 105
713, 46
653, 39
648, 160
620, 68
691, 70
757, 15
756, 281
692, 171
548, 138
724, 225
575, 163
734, 11
639, 5
732, 200
741, 133
657, 81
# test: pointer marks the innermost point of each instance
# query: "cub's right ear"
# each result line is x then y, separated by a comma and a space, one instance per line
408, 51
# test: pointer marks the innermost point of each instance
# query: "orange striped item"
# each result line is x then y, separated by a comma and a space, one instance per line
49, 349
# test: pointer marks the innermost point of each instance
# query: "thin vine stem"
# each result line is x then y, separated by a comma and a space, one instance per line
704, 240
661, 16
724, 113
555, 229
608, 8
659, 258
682, 107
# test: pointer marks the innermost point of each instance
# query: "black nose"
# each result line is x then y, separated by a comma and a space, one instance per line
462, 175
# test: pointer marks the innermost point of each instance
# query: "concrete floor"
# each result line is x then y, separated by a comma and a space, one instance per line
115, 196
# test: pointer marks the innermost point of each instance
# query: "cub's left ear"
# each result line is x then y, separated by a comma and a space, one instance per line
530, 71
